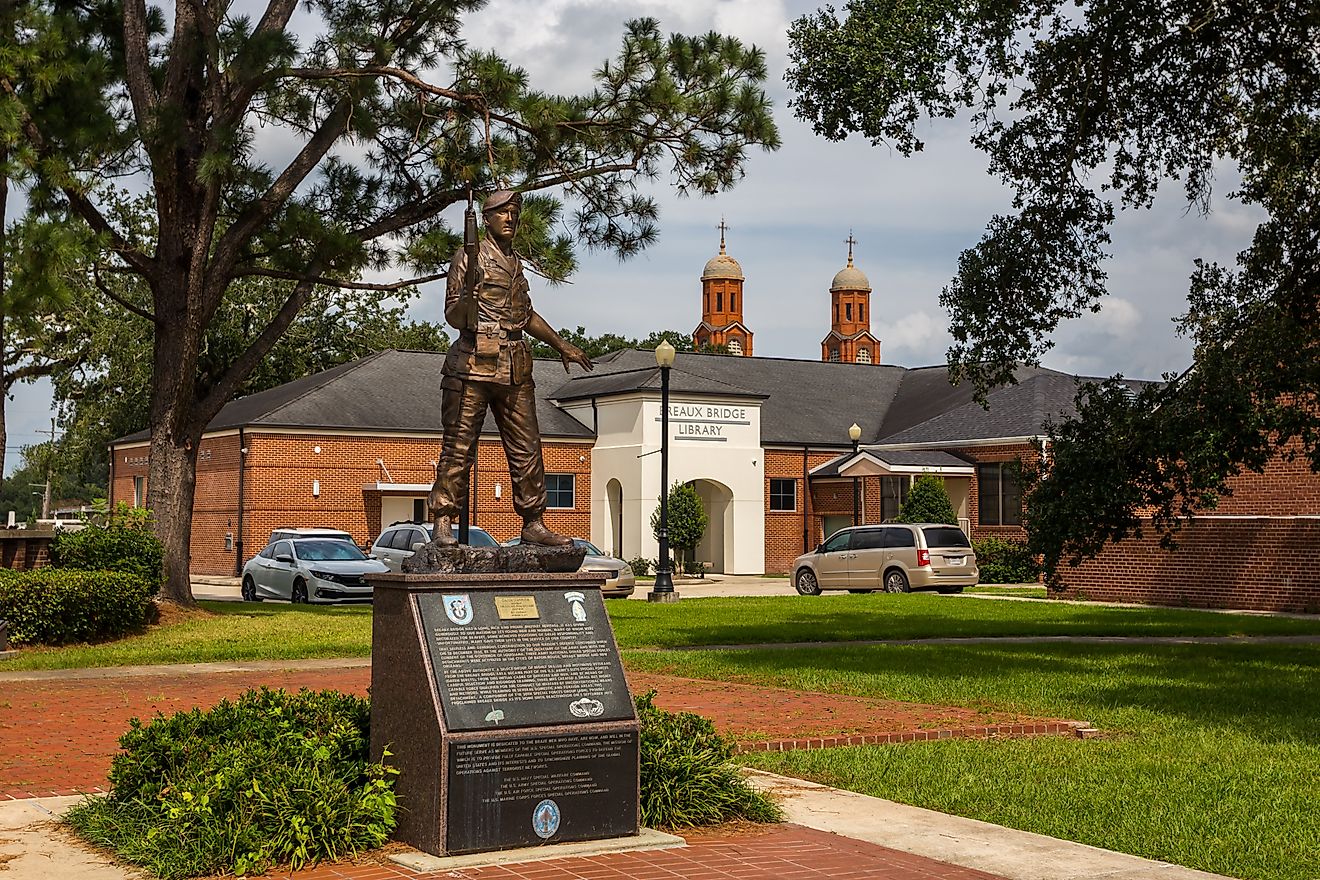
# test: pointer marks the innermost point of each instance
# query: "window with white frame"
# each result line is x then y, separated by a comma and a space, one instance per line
559, 490
834, 355
735, 346
139, 491
863, 355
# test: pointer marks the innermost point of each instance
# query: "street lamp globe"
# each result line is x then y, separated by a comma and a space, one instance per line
854, 432
664, 354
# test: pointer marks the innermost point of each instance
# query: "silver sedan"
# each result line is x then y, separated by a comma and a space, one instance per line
310, 570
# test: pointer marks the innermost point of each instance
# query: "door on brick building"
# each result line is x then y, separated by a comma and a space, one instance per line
717, 500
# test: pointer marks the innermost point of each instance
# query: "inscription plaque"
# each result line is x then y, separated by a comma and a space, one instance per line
493, 669
499, 789
501, 700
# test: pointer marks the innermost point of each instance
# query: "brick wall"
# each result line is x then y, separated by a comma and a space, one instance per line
1257, 563
783, 529
278, 488
22, 549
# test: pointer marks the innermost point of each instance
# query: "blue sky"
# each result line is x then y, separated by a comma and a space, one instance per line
789, 217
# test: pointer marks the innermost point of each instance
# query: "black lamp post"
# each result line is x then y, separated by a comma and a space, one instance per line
664, 581
855, 435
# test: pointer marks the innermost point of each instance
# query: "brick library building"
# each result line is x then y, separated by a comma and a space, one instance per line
764, 441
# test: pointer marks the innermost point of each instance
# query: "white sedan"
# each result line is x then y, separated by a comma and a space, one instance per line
310, 570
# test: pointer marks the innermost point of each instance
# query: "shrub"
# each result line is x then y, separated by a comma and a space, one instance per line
686, 520
694, 568
1005, 562
270, 779
688, 777
640, 566
928, 502
51, 606
124, 544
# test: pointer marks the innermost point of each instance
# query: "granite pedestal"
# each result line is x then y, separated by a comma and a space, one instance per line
502, 702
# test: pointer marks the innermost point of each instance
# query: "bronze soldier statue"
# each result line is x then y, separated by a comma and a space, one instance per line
490, 365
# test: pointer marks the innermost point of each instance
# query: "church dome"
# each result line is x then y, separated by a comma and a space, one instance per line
850, 278
722, 266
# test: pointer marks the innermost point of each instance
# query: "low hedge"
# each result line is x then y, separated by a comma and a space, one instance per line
51, 606
125, 544
272, 778
688, 774
1005, 562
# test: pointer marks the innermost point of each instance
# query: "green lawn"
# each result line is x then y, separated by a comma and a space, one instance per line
1018, 590
1210, 756
777, 619
278, 631
239, 631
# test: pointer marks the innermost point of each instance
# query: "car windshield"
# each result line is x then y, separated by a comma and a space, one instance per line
592, 549
327, 550
945, 536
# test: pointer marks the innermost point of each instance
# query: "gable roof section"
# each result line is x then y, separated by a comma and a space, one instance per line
929, 410
804, 402
898, 460
391, 391
627, 381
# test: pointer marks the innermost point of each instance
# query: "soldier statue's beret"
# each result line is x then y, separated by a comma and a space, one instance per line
500, 198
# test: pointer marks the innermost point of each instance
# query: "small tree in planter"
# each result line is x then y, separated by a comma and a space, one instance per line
928, 502
687, 519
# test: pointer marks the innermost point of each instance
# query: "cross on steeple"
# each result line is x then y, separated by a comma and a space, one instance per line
722, 228
850, 241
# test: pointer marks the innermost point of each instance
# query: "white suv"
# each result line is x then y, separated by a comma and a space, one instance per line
400, 540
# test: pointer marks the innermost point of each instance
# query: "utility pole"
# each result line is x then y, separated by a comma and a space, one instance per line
50, 464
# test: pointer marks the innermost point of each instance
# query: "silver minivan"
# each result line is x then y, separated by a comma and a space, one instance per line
894, 557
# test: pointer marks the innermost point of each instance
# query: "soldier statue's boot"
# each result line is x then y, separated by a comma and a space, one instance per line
534, 531
444, 532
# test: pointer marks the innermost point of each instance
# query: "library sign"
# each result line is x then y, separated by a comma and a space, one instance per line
712, 423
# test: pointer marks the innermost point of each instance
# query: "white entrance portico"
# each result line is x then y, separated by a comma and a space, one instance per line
714, 443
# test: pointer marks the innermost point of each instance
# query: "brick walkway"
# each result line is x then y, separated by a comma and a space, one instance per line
782, 852
57, 736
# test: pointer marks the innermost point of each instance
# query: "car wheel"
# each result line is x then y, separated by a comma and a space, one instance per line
949, 591
895, 581
806, 583
250, 590
861, 591
299, 596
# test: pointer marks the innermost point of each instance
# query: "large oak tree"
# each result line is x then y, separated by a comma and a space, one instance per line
1084, 107
392, 119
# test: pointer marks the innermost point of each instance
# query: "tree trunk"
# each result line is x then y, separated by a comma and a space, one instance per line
176, 432
171, 487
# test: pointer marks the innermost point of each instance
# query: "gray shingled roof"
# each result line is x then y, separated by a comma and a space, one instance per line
622, 381
929, 410
803, 402
389, 391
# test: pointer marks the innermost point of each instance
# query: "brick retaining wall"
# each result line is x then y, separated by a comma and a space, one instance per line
1248, 562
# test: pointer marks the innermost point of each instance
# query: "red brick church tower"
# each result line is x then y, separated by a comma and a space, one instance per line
850, 340
722, 305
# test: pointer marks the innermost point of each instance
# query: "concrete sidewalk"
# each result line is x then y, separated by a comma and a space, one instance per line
830, 834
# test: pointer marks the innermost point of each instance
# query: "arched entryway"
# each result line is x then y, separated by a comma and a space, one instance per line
614, 508
716, 547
